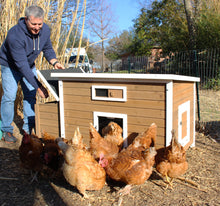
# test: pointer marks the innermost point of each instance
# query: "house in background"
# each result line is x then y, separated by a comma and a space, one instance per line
149, 64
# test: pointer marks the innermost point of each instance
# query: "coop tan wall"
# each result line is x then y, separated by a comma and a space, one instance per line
145, 104
182, 93
47, 118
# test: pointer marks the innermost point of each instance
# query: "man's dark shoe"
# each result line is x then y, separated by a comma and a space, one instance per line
8, 137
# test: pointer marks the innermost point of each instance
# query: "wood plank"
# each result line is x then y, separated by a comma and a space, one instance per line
145, 95
132, 120
136, 122
37, 120
146, 87
53, 130
187, 94
142, 128
188, 90
83, 113
51, 122
150, 104
130, 86
77, 122
182, 83
78, 114
48, 110
43, 115
49, 107
75, 98
76, 93
180, 87
49, 116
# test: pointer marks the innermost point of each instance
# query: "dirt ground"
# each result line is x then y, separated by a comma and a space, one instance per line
202, 185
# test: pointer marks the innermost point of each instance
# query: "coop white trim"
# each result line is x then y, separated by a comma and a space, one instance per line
47, 85
169, 112
122, 99
185, 107
123, 77
62, 118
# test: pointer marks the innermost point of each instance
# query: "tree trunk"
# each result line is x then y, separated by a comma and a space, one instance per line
191, 24
103, 57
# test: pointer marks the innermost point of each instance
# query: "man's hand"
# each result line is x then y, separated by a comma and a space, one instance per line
59, 66
42, 91
56, 64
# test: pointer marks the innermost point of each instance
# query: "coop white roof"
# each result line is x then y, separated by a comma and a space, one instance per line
113, 77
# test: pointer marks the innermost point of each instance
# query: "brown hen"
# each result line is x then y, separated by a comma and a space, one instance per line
77, 140
52, 154
80, 169
146, 139
134, 164
172, 162
100, 147
30, 153
113, 133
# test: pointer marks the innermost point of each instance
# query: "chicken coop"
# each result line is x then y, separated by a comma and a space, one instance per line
134, 101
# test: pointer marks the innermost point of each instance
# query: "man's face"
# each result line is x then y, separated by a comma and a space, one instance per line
34, 24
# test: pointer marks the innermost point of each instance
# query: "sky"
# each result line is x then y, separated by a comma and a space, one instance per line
125, 11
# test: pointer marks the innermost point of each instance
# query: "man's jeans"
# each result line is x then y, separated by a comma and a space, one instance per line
10, 79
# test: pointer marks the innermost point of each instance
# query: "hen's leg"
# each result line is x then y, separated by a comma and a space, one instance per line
34, 176
125, 191
169, 181
86, 196
81, 186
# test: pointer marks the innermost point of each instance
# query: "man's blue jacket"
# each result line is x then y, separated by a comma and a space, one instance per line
21, 48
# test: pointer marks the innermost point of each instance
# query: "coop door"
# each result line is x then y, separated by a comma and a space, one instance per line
101, 119
184, 123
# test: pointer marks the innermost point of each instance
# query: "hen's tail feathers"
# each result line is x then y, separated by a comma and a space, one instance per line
26, 138
152, 132
153, 151
77, 140
47, 137
174, 141
93, 132
77, 137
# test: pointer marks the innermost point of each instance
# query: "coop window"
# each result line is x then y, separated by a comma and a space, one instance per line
101, 119
109, 93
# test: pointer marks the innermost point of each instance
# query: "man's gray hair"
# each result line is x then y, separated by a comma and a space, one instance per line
34, 11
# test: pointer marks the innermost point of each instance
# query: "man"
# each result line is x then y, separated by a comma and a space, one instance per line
23, 44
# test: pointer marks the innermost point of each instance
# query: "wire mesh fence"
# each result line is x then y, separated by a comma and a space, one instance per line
199, 63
